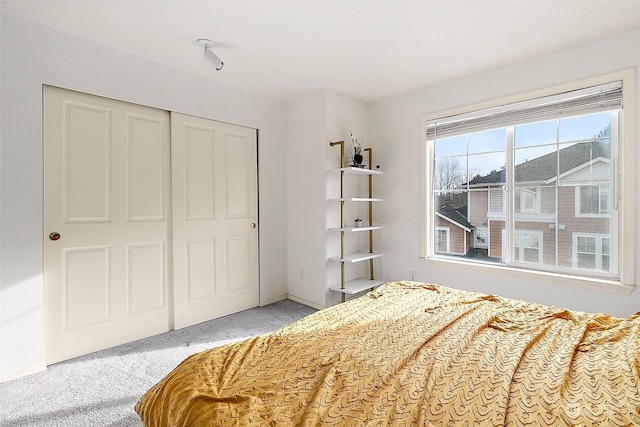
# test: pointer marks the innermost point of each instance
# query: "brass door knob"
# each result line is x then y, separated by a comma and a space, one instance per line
54, 236
253, 225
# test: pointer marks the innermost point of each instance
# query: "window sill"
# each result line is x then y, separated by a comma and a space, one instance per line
549, 278
595, 216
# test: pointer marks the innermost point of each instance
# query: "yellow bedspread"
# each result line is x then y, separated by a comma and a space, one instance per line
414, 354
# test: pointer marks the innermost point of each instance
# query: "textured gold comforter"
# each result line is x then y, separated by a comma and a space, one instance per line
414, 354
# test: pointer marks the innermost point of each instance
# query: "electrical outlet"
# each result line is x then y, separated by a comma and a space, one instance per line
302, 273
412, 274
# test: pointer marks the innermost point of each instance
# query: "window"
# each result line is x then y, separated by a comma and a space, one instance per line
592, 201
526, 201
554, 177
527, 246
442, 239
592, 251
481, 237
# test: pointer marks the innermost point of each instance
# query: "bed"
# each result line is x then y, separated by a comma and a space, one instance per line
409, 354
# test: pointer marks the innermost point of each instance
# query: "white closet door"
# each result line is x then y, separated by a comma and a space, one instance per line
107, 197
215, 234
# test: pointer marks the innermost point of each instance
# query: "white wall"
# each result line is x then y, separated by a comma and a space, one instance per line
395, 127
313, 122
307, 142
33, 55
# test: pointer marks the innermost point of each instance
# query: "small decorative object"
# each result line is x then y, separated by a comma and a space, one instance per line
356, 157
358, 222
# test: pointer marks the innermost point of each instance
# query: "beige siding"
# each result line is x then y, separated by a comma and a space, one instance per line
496, 196
495, 238
478, 207
548, 200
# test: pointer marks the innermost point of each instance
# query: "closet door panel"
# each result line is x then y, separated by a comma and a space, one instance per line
106, 225
215, 217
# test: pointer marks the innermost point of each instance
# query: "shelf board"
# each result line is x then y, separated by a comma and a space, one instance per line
358, 285
359, 171
357, 257
356, 229
356, 199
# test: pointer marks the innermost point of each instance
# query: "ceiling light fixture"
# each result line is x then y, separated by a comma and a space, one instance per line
208, 54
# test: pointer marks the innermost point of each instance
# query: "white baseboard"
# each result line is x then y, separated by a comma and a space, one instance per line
29, 370
272, 300
305, 302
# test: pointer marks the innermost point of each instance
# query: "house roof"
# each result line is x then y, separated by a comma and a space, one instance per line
543, 168
458, 216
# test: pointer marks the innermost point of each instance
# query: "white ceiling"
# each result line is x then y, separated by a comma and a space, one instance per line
366, 49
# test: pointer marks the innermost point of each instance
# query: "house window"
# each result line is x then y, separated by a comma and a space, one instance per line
592, 251
528, 246
556, 164
526, 201
592, 201
481, 239
442, 239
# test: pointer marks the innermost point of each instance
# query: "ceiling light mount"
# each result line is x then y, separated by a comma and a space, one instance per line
208, 54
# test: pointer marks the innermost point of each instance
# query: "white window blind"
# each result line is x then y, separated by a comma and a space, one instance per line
594, 99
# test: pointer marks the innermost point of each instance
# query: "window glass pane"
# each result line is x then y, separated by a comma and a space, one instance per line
585, 163
527, 246
532, 134
586, 252
593, 200
481, 237
526, 201
484, 142
587, 245
606, 254
487, 169
587, 127
452, 200
547, 202
587, 261
604, 200
453, 146
535, 165
451, 221
496, 200
593, 252
450, 173
531, 255
441, 240
589, 203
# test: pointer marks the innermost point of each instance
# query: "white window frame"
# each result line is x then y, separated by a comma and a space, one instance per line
623, 191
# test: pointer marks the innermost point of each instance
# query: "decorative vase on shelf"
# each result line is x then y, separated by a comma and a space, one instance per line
357, 156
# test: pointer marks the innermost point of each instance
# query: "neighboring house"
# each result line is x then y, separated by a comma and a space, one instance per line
454, 234
561, 208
